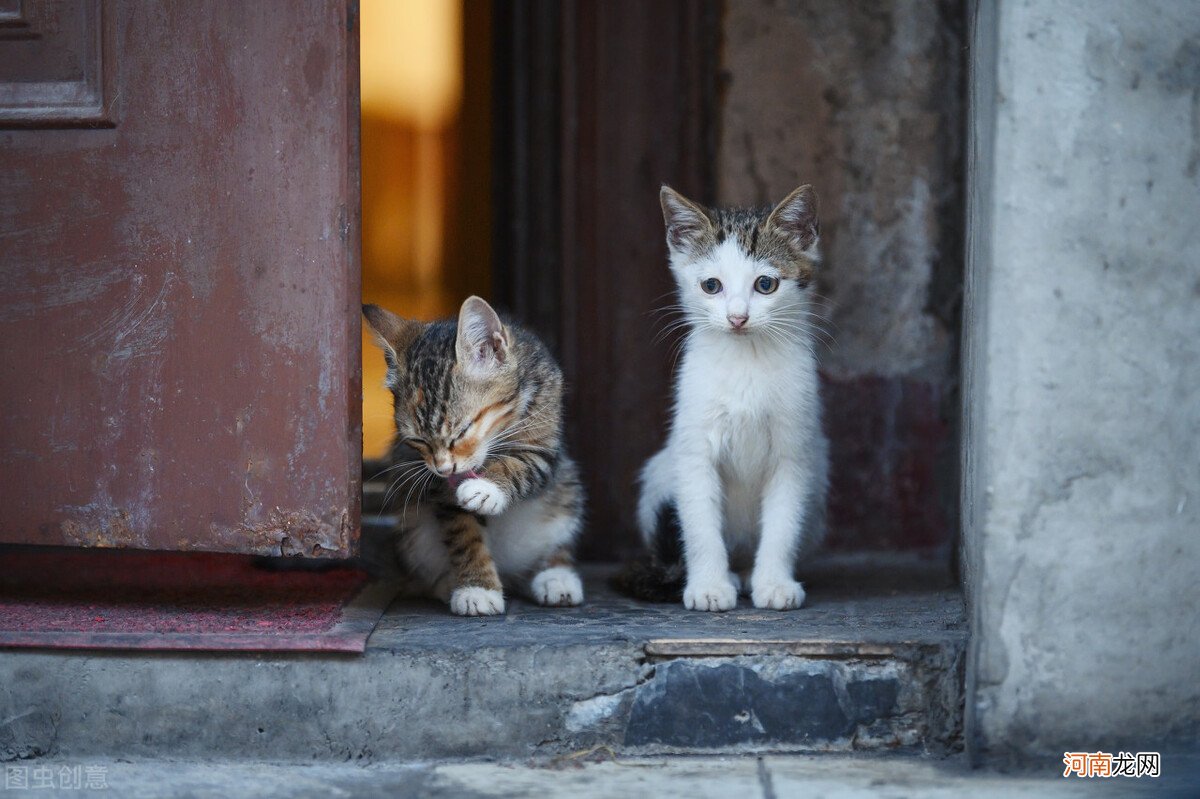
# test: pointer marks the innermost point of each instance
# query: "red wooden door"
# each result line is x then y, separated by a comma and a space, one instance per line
179, 276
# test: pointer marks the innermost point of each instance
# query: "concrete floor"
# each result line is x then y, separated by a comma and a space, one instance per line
597, 774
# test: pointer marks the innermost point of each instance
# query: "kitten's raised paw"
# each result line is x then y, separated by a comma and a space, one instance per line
557, 586
776, 594
475, 601
480, 495
715, 595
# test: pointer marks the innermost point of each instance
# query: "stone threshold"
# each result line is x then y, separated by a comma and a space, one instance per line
874, 661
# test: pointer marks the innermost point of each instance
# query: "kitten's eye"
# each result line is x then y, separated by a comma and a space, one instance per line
462, 431
710, 286
766, 284
417, 443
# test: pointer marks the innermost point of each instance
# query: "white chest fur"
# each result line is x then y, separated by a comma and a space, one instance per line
743, 402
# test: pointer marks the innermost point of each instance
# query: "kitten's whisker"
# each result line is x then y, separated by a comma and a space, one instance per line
393, 489
680, 319
668, 331
806, 332
543, 451
423, 483
524, 425
823, 300
540, 415
393, 467
824, 310
813, 318
399, 482
664, 295
515, 442
404, 506
672, 318
800, 320
782, 335
778, 335
410, 468
680, 345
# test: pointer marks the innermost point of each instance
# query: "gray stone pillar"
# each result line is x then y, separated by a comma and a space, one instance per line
1082, 368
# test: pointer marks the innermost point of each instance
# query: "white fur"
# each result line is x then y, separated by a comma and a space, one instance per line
559, 586
746, 461
518, 538
480, 495
475, 601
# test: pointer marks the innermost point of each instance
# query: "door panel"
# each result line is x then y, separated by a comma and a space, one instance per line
179, 289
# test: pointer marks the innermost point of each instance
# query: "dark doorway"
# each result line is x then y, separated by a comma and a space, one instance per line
598, 103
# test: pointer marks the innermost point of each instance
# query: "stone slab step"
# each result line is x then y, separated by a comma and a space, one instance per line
598, 775
874, 661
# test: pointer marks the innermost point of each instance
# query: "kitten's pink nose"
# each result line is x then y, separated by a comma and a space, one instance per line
737, 320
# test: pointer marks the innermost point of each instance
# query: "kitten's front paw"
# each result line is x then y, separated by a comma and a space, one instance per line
720, 594
776, 594
472, 600
557, 586
480, 495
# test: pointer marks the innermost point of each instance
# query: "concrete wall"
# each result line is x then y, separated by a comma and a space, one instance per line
865, 101
1082, 489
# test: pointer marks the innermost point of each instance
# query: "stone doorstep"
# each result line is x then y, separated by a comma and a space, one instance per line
873, 662
599, 775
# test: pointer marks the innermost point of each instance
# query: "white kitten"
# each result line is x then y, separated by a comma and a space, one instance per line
742, 479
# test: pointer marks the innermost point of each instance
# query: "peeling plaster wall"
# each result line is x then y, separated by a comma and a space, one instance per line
1082, 490
865, 101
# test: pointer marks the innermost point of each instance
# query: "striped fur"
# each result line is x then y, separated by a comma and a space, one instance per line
487, 491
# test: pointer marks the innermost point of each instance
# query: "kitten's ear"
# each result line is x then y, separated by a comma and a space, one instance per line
688, 224
482, 342
393, 334
796, 218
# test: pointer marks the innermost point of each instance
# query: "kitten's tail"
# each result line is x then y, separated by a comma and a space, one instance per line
650, 582
660, 575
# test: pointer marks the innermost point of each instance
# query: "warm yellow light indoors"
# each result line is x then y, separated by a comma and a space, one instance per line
411, 60
411, 85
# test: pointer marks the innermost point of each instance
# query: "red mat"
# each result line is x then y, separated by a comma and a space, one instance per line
105, 599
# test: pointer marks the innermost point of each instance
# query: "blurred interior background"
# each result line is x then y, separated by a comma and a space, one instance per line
515, 150
426, 171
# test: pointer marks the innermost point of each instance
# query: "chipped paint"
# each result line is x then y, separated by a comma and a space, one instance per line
295, 533
103, 529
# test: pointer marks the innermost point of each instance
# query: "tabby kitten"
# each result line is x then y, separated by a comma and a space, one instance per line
478, 410
740, 485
